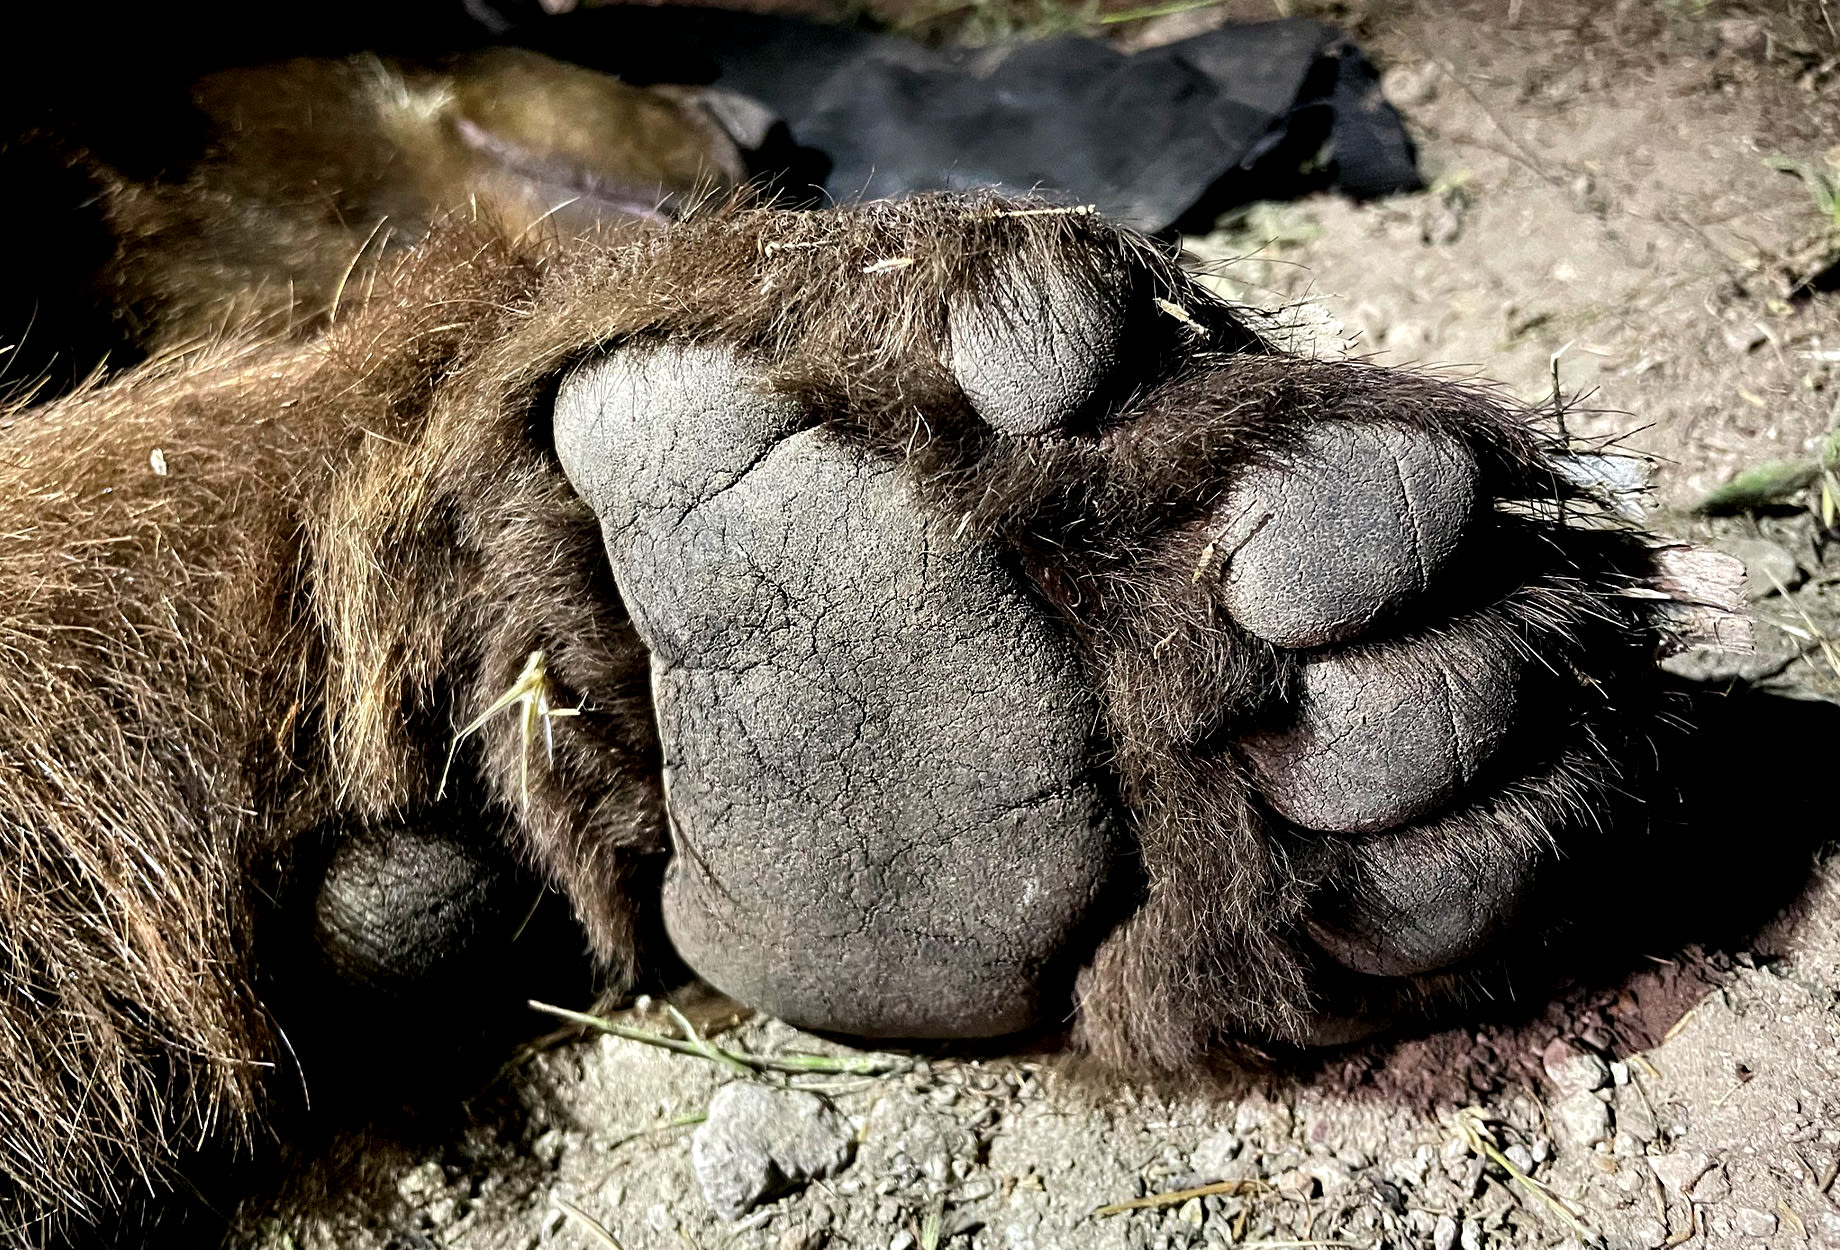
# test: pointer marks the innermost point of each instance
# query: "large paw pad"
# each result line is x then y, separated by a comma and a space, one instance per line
879, 755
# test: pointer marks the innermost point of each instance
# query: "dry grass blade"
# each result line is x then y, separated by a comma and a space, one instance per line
1171, 1197
702, 1043
842, 1065
530, 695
594, 1227
663, 1126
1829, 651
1473, 1131
1157, 10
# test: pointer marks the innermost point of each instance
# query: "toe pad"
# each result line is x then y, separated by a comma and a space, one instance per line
1355, 524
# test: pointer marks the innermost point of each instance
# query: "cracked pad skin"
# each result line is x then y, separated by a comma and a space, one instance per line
878, 762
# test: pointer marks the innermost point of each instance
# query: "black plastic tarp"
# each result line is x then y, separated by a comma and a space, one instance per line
1244, 112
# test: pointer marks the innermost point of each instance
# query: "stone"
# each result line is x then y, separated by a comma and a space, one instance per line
1679, 1171
758, 1142
421, 1183
1581, 1120
1331, 1175
1211, 1157
1713, 1186
1297, 1184
1648, 1233
1754, 1223
1767, 565
1444, 1234
1261, 1117
1572, 1069
1634, 1117
548, 1148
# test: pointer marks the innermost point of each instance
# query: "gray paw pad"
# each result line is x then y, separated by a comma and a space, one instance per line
1031, 354
1388, 733
1357, 523
878, 755
1426, 899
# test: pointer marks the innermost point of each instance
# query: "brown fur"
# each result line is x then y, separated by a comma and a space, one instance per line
357, 541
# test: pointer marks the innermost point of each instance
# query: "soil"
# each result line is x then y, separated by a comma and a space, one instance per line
1600, 206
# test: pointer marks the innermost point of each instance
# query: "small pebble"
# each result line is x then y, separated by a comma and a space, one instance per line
1296, 1184
1766, 565
547, 1149
422, 1182
1581, 1119
1647, 1233
977, 1189
1571, 1069
1754, 1223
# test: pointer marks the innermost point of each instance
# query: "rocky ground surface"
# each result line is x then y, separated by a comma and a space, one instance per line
1600, 205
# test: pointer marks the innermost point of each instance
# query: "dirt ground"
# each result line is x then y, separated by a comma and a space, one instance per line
1600, 199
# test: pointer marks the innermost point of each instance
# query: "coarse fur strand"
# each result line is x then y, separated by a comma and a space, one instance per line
257, 592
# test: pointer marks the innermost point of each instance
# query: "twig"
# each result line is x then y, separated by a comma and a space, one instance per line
682, 1121
1523, 154
1688, 1233
1069, 210
846, 1065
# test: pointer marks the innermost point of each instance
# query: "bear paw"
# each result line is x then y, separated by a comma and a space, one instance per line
1026, 633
